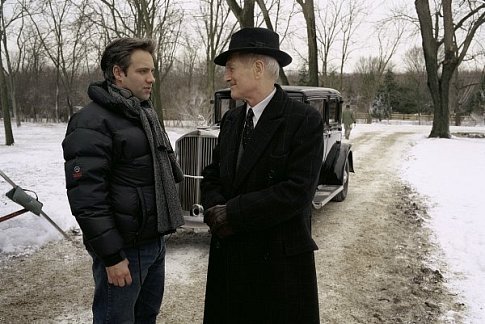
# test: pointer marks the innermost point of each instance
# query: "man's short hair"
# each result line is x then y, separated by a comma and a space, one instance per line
271, 64
119, 51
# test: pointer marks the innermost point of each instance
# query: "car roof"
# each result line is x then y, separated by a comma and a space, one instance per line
310, 92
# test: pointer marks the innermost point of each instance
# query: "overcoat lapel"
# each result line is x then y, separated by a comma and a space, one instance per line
234, 126
268, 124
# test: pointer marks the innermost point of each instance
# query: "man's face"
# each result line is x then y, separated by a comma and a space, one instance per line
139, 75
239, 73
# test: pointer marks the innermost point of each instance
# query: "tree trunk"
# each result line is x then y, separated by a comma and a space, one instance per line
58, 96
454, 101
10, 86
436, 87
283, 77
269, 25
309, 13
156, 96
244, 15
210, 89
441, 118
5, 109
439, 83
15, 107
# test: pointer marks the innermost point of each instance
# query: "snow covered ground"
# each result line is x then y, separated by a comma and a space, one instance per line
449, 174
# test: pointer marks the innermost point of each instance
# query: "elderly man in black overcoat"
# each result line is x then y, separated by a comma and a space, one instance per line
257, 193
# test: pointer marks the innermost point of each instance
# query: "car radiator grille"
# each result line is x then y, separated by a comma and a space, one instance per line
194, 152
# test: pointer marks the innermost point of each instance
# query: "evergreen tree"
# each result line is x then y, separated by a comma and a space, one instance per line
387, 98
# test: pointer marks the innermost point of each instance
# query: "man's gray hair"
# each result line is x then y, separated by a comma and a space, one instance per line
270, 63
119, 51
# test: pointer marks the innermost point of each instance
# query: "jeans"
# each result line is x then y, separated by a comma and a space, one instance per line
139, 302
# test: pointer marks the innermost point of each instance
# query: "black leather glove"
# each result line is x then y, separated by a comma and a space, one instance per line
215, 215
216, 218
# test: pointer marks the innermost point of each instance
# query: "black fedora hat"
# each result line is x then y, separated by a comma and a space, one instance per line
255, 40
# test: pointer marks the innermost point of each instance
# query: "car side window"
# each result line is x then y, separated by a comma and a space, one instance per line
319, 105
333, 112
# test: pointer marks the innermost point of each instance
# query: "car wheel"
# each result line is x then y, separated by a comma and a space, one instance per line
343, 194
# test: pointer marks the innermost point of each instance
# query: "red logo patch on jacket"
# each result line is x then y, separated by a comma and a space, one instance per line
77, 174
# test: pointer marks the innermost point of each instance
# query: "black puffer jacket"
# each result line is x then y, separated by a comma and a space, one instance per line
109, 177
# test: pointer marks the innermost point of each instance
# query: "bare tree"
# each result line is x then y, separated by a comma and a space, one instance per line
12, 27
71, 57
327, 32
349, 22
160, 20
308, 9
33, 64
416, 76
167, 33
7, 123
244, 14
370, 72
372, 69
9, 140
215, 33
447, 34
13, 67
337, 22
274, 10
4, 95
62, 30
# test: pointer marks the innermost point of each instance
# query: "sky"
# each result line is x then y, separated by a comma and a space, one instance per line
453, 194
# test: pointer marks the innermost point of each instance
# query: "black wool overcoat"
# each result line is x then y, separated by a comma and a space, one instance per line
265, 272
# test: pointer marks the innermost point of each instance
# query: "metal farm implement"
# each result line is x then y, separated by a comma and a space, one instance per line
29, 204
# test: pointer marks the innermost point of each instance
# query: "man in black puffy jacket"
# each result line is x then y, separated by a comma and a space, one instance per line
121, 176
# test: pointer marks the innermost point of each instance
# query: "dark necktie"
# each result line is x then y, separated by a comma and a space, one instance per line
248, 128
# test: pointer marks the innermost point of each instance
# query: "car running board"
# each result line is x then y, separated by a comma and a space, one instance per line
324, 194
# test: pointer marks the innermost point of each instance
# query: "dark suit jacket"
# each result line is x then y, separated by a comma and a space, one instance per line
268, 202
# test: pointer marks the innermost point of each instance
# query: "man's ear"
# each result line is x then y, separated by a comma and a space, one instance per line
118, 72
258, 68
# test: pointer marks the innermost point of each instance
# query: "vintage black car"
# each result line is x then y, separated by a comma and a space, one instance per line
194, 149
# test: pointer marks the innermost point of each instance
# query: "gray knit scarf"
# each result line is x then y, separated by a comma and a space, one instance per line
166, 169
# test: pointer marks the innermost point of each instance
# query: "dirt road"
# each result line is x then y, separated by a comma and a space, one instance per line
373, 263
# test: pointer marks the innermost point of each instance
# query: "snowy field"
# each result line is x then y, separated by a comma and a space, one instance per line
449, 174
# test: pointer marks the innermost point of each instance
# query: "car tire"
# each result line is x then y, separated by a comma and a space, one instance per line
343, 194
